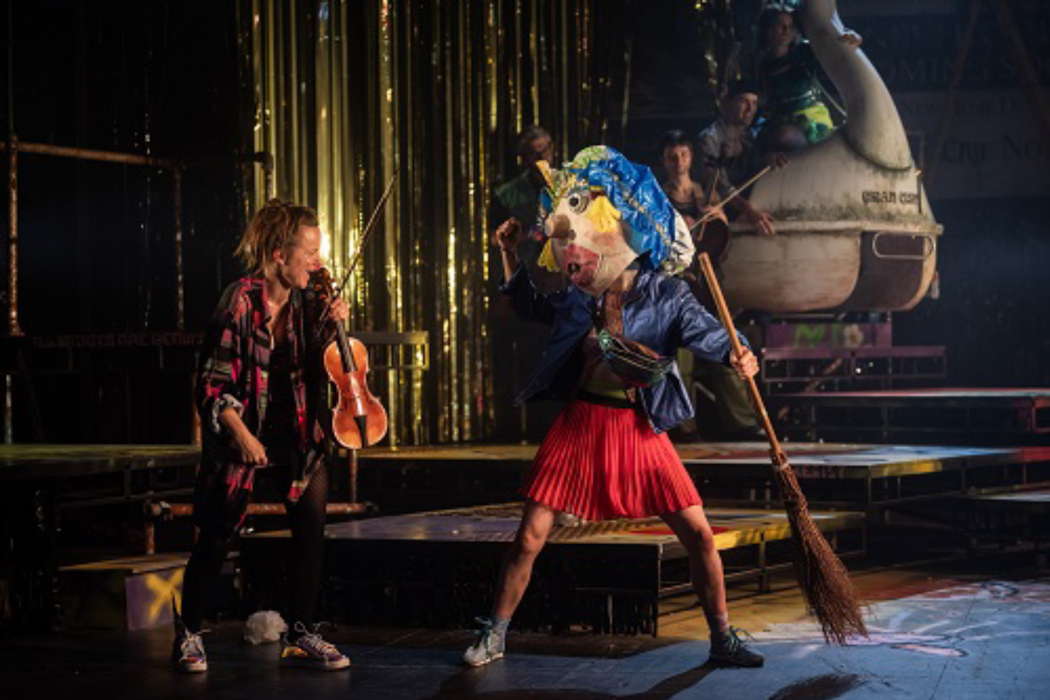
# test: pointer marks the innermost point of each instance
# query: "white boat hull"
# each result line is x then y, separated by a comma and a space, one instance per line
854, 227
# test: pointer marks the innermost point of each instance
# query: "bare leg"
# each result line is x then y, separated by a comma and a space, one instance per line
514, 578
705, 564
705, 571
535, 527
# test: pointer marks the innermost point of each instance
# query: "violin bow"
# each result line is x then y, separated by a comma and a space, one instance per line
710, 199
711, 214
369, 227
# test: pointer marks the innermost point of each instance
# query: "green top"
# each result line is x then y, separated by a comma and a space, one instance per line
519, 198
790, 81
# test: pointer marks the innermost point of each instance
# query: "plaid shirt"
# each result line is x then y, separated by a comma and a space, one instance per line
234, 372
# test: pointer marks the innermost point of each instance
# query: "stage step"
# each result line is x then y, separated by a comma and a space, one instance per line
130, 593
438, 568
1009, 517
960, 416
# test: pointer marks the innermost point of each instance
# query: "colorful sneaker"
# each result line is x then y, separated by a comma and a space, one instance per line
730, 650
187, 653
310, 650
492, 642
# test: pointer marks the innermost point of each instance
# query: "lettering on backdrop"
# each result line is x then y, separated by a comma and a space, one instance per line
993, 147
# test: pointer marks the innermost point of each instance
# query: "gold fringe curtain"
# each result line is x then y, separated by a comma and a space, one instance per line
347, 92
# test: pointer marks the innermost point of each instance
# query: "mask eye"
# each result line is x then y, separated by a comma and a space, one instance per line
579, 201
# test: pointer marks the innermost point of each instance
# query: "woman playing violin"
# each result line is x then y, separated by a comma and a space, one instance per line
260, 393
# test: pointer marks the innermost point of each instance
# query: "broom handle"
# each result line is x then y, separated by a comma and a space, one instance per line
779, 458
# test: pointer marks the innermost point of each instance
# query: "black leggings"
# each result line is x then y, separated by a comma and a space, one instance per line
306, 518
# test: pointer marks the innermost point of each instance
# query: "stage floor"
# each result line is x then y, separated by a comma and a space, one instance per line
936, 634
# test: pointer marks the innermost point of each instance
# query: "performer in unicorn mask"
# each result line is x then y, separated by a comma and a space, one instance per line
615, 330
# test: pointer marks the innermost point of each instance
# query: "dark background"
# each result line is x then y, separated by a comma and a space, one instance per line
168, 78
156, 77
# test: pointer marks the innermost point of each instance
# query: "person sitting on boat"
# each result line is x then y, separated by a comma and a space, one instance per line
788, 75
729, 156
736, 417
687, 195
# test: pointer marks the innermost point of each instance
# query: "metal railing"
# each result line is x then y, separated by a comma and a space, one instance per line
14, 147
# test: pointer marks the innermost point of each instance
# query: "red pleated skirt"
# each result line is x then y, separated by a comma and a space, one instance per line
600, 463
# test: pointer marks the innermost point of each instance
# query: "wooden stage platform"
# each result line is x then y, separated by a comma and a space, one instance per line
1006, 518
437, 568
44, 461
968, 416
861, 477
1034, 501
42, 484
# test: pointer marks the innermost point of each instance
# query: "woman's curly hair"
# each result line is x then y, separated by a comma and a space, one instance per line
274, 227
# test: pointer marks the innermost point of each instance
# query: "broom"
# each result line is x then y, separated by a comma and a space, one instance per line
824, 580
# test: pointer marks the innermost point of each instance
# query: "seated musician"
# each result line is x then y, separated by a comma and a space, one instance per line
729, 157
687, 195
736, 418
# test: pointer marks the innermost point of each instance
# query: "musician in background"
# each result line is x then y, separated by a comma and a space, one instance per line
729, 157
735, 416
515, 207
517, 198
687, 195
260, 393
515, 204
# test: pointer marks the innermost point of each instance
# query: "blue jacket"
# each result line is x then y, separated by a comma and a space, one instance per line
659, 311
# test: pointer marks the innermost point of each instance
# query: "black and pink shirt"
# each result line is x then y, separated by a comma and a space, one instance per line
235, 371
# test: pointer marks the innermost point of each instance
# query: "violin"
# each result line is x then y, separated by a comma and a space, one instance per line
359, 419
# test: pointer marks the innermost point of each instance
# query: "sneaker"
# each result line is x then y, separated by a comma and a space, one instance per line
491, 644
310, 650
730, 650
187, 653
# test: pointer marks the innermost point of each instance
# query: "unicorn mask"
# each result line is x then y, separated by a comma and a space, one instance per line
601, 213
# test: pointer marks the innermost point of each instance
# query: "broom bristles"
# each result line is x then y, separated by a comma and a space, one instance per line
822, 576
824, 580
